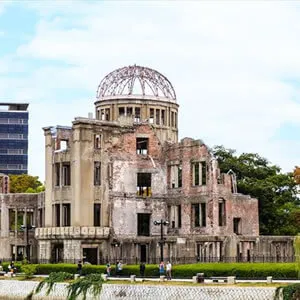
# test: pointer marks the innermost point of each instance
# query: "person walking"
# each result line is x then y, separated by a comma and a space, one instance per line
161, 268
142, 269
79, 268
169, 270
119, 267
108, 268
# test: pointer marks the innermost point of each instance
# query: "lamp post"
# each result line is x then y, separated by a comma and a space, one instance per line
161, 223
27, 228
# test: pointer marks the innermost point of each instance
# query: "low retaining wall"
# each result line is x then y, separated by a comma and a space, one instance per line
13, 289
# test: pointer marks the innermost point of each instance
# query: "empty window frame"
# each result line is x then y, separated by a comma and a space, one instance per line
144, 184
199, 214
66, 172
41, 217
57, 174
172, 119
237, 225
137, 115
176, 176
199, 173
151, 118
97, 214
142, 146
102, 115
56, 215
121, 111
64, 144
163, 117
143, 224
175, 216
107, 114
29, 218
129, 111
97, 141
157, 116
97, 173
12, 219
222, 212
66, 210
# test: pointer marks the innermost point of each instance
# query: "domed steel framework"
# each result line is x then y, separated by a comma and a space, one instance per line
135, 81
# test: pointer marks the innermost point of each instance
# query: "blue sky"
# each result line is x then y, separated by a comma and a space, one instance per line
235, 66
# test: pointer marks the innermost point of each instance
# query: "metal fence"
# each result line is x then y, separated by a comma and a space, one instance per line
174, 260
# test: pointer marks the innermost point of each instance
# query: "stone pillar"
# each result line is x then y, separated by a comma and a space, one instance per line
231, 280
48, 177
44, 250
269, 279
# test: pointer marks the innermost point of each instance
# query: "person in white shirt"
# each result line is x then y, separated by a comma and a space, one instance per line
169, 270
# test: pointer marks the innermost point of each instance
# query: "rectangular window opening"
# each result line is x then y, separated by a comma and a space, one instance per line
97, 173
107, 114
137, 117
144, 184
179, 215
97, 141
203, 214
222, 213
203, 165
151, 119
199, 213
63, 144
66, 214
180, 176
163, 117
237, 225
196, 174
97, 214
142, 146
143, 224
129, 111
66, 169
57, 215
57, 174
121, 111
157, 116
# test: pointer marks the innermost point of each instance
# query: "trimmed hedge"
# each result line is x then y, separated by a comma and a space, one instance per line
240, 270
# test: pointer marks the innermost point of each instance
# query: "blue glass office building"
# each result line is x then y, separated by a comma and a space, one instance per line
14, 138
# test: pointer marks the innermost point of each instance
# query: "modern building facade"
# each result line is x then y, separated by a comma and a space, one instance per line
14, 138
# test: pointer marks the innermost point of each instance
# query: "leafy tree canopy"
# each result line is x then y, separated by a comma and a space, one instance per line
279, 210
25, 184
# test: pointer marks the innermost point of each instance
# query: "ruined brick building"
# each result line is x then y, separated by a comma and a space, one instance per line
110, 177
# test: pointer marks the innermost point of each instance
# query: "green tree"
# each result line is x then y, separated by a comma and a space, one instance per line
25, 184
279, 211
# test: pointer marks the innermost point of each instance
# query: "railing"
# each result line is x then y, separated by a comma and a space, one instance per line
174, 260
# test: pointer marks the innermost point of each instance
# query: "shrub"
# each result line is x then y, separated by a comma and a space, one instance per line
29, 270
45, 269
240, 270
291, 291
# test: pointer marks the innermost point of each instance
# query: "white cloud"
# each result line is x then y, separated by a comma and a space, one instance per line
228, 62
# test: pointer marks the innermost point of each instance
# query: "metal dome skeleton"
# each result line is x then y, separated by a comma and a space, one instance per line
136, 81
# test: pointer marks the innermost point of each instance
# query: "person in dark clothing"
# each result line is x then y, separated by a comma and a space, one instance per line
142, 269
79, 268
